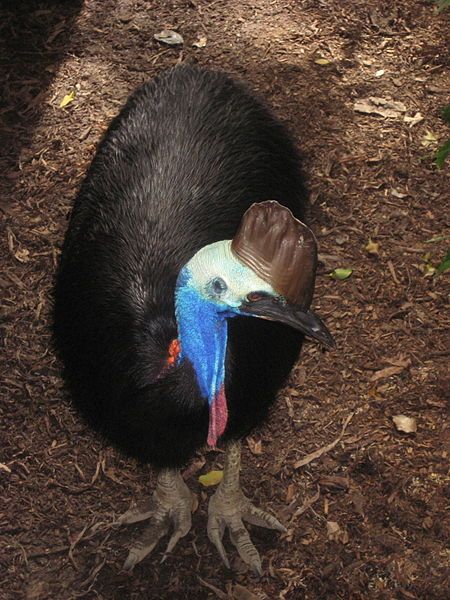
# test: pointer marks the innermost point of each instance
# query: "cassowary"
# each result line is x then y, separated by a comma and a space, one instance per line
159, 277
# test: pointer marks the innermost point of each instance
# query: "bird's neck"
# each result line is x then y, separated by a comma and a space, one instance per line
202, 332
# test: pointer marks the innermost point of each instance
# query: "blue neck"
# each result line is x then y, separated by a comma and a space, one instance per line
202, 331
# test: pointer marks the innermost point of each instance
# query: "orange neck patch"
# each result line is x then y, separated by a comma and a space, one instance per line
174, 352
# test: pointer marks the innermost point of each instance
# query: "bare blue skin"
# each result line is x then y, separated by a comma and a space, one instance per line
210, 289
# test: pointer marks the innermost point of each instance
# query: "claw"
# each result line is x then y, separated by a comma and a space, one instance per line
171, 503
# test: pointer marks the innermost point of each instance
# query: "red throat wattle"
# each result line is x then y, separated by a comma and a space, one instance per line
218, 417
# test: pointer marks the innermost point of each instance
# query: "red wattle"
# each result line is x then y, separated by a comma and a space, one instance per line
218, 417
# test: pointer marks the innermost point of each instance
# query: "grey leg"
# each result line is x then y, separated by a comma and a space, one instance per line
228, 507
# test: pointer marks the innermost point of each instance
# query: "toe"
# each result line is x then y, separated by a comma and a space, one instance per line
256, 516
243, 544
145, 544
215, 534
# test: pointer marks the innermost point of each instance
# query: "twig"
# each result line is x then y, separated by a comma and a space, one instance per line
307, 503
214, 589
318, 453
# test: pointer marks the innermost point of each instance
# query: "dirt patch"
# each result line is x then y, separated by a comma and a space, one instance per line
366, 519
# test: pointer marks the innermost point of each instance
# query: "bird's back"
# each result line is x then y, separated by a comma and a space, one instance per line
189, 153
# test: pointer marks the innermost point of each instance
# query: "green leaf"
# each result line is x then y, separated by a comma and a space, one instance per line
211, 478
341, 274
442, 153
444, 265
442, 4
438, 238
446, 113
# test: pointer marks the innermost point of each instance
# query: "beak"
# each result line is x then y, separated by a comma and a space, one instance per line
274, 309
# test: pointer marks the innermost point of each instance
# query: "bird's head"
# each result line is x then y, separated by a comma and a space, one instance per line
266, 271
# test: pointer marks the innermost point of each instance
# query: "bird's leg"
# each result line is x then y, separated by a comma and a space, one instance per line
171, 503
228, 507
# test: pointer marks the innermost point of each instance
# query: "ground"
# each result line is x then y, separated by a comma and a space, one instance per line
365, 518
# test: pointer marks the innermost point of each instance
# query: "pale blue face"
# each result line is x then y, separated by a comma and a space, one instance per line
219, 277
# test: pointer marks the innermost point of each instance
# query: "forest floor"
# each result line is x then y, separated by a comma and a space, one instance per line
366, 518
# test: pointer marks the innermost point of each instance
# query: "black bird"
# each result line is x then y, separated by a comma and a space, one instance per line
158, 276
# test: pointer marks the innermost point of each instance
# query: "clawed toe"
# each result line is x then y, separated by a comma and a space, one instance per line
230, 512
171, 504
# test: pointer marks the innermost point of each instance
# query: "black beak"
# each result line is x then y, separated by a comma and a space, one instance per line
274, 309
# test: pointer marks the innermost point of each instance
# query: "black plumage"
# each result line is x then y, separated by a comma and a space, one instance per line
176, 170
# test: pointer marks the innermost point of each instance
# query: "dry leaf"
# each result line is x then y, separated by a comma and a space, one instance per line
201, 42
334, 482
254, 446
242, 593
22, 255
429, 139
290, 493
335, 533
405, 424
398, 194
380, 106
68, 98
211, 478
389, 371
169, 37
417, 118
372, 247
322, 61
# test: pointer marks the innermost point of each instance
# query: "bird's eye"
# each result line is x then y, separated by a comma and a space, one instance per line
218, 286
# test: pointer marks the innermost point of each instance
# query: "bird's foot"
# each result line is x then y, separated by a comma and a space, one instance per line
228, 509
171, 503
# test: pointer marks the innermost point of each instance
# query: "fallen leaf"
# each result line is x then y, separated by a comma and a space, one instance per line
335, 533
289, 493
387, 372
372, 247
242, 593
333, 529
322, 61
380, 106
201, 42
405, 424
417, 118
218, 592
22, 255
334, 482
341, 274
442, 153
429, 139
254, 446
341, 238
169, 37
438, 238
398, 194
443, 265
211, 478
68, 98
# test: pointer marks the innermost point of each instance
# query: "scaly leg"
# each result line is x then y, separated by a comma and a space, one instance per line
228, 507
171, 502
